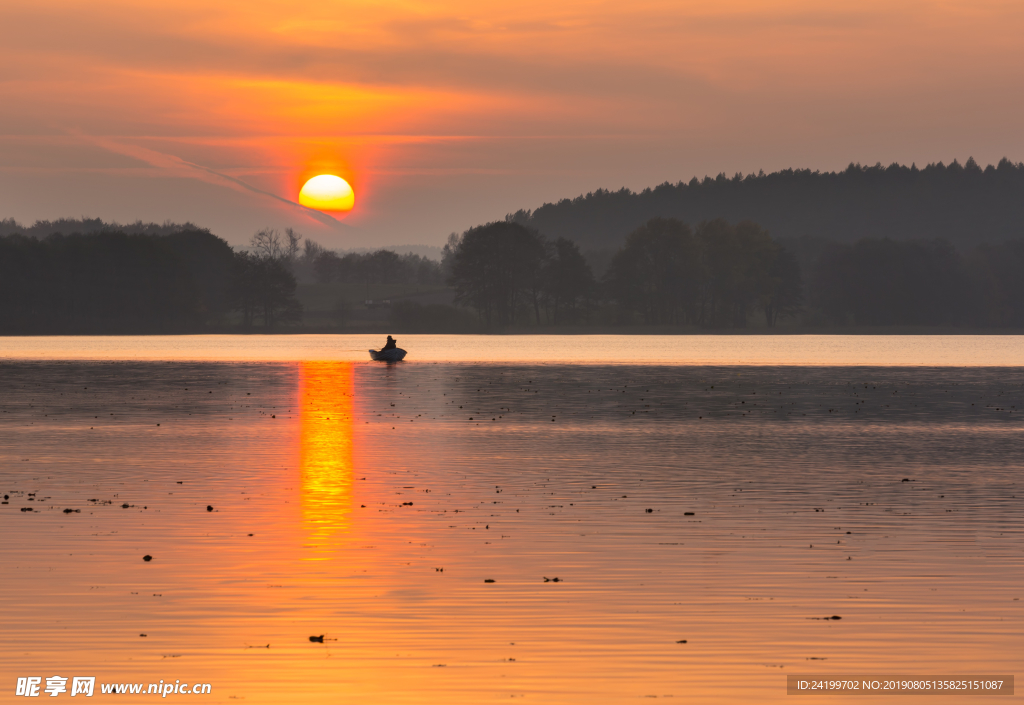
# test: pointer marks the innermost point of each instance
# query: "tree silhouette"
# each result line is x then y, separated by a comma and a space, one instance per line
783, 293
496, 270
264, 288
963, 204
569, 285
658, 273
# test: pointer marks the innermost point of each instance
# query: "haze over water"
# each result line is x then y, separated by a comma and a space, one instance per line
816, 350
677, 495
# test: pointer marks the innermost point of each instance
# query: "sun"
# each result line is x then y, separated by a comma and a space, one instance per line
327, 193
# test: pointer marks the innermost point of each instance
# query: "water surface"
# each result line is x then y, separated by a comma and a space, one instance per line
887, 350
732, 508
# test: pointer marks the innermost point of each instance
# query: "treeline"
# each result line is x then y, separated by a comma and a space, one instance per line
667, 273
882, 282
172, 278
509, 274
720, 275
715, 274
159, 279
380, 267
115, 282
961, 203
84, 226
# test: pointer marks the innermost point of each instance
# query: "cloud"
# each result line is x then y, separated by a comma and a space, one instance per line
170, 165
448, 111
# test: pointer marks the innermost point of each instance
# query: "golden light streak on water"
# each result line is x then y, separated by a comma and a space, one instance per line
325, 451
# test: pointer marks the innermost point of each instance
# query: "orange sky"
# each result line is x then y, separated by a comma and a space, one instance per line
449, 113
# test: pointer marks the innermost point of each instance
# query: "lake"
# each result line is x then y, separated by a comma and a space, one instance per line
742, 350
585, 519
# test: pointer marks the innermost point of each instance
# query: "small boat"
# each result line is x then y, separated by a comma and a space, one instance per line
392, 355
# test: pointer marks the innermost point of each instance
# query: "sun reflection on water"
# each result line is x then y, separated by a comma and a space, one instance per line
325, 450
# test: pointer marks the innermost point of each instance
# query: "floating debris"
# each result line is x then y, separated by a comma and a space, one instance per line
147, 558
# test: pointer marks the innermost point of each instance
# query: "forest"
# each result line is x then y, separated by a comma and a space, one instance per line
665, 273
170, 278
717, 275
963, 204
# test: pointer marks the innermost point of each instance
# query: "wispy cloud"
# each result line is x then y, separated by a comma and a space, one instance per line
171, 165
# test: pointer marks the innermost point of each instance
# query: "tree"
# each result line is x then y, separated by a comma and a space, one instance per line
245, 287
880, 282
569, 285
303, 264
311, 250
326, 266
710, 277
783, 295
496, 270
736, 260
448, 254
997, 273
657, 272
209, 261
720, 273
291, 247
264, 288
267, 243
382, 266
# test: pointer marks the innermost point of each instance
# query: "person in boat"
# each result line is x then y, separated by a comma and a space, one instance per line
390, 345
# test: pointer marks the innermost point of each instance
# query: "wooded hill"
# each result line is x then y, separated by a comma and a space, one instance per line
962, 204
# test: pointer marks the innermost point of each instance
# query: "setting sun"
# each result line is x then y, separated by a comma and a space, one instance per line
327, 193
